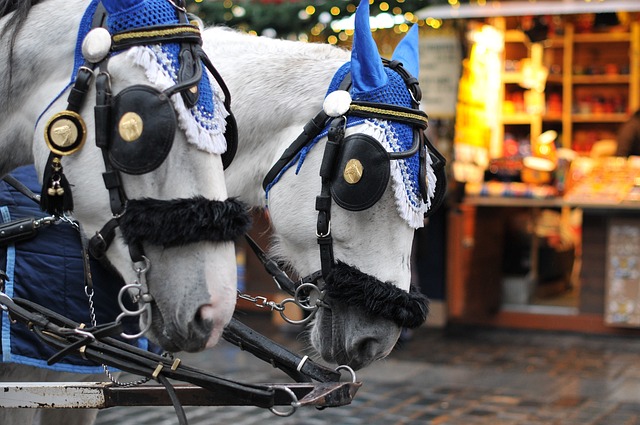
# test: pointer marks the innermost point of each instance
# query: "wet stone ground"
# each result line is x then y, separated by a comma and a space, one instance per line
452, 376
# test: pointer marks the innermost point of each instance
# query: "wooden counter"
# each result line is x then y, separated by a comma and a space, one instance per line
475, 252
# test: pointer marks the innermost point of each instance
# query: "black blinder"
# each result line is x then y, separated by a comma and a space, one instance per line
144, 126
231, 136
361, 173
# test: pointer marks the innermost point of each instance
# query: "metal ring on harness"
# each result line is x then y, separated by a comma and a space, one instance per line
348, 369
306, 304
143, 312
313, 289
294, 404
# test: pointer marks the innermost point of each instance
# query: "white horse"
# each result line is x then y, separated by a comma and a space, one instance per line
278, 86
185, 267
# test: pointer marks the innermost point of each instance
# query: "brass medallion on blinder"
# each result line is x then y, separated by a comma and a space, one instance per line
353, 171
130, 127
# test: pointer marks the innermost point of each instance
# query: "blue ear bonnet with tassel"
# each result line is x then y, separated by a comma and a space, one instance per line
375, 83
395, 92
148, 13
125, 15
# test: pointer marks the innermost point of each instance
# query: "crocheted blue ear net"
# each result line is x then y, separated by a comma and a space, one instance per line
114, 6
400, 137
373, 82
131, 14
395, 92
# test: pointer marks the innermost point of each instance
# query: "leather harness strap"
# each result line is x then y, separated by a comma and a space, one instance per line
97, 345
299, 368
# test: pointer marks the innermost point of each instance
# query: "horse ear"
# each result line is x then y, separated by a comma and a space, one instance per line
115, 6
367, 71
407, 52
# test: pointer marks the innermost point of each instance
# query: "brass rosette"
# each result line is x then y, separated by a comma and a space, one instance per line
65, 133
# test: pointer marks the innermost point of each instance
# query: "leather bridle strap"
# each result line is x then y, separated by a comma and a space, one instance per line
412, 117
21, 187
323, 201
156, 34
279, 276
310, 130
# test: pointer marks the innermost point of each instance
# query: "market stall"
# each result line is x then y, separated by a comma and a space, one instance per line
543, 232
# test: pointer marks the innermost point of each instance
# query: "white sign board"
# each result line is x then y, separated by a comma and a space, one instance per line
440, 67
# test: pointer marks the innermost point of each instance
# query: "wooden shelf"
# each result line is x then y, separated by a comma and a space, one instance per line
511, 77
602, 37
552, 118
554, 43
599, 118
557, 79
512, 119
515, 36
621, 49
601, 79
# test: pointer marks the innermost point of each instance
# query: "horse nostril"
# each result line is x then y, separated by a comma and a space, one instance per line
364, 351
204, 318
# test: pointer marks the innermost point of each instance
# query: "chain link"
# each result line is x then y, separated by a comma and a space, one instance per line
88, 290
302, 299
261, 301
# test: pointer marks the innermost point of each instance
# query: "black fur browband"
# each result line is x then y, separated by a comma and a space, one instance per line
182, 221
348, 285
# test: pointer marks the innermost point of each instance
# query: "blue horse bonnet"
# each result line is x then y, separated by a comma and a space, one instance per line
394, 92
127, 15
161, 12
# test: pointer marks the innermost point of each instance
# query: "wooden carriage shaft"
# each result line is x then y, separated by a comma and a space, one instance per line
101, 395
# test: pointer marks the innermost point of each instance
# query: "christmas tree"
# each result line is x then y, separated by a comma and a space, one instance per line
303, 19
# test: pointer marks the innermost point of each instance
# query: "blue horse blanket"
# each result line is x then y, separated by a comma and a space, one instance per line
48, 270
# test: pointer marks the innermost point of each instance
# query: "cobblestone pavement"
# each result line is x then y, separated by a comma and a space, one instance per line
453, 377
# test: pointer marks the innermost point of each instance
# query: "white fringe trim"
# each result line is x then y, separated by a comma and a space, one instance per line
413, 214
211, 141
